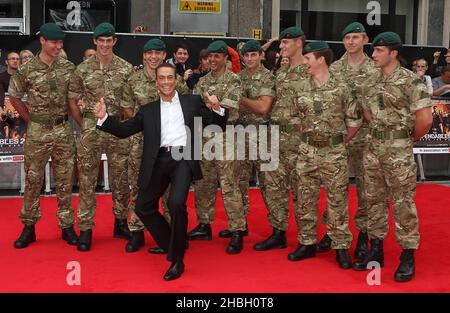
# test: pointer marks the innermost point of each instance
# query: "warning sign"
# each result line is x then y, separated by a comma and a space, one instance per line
206, 6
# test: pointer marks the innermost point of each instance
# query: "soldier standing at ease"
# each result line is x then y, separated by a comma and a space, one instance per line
101, 76
398, 108
139, 90
258, 95
220, 88
45, 79
329, 117
279, 182
353, 69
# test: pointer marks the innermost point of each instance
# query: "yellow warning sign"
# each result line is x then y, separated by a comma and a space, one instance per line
257, 33
205, 6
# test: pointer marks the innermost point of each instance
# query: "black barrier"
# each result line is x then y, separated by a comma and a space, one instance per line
129, 46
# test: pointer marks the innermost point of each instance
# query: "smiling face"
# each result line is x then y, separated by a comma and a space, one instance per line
252, 60
153, 58
217, 61
354, 42
181, 55
52, 48
166, 82
105, 45
312, 63
290, 46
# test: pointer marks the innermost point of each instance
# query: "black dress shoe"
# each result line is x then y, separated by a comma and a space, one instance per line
375, 254
200, 232
406, 270
324, 244
27, 236
69, 235
343, 259
175, 270
226, 233
302, 252
275, 241
136, 241
157, 250
236, 244
362, 246
85, 240
121, 229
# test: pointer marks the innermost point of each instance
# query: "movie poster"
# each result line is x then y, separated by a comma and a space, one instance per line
438, 138
12, 133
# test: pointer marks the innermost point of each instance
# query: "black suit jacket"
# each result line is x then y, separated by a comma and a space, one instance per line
148, 121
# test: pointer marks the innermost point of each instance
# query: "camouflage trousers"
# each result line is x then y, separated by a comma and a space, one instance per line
134, 164
90, 146
43, 142
328, 166
225, 172
280, 181
390, 165
355, 150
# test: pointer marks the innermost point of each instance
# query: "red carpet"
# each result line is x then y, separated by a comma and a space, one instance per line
107, 268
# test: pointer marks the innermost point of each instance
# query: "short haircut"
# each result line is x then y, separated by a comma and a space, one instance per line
166, 65
180, 46
327, 54
11, 52
303, 39
421, 59
203, 54
396, 47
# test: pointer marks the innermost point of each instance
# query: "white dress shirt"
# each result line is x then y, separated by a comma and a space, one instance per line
173, 131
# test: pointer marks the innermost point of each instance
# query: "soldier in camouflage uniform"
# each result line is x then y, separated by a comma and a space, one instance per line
279, 182
353, 69
398, 109
101, 76
329, 116
139, 90
258, 95
45, 79
220, 88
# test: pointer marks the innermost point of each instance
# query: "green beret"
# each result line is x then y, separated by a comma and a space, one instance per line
386, 39
291, 32
218, 46
315, 46
155, 44
105, 30
51, 31
354, 27
251, 46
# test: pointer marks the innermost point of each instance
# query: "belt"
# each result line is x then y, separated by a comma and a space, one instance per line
287, 128
389, 134
330, 142
48, 120
168, 150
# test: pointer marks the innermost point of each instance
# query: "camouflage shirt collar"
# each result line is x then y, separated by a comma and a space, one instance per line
222, 77
330, 82
393, 77
37, 61
114, 61
367, 61
147, 76
246, 73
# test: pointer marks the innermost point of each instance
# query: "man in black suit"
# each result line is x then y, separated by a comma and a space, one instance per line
168, 128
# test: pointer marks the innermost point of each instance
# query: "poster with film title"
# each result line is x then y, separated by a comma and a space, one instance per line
12, 133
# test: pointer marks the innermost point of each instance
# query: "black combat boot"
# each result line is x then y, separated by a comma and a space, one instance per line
303, 252
200, 232
275, 241
362, 246
68, 234
375, 254
236, 244
226, 233
324, 244
406, 270
85, 240
27, 236
136, 241
121, 229
343, 259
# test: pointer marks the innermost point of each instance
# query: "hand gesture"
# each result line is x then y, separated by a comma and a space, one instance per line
100, 109
187, 74
436, 55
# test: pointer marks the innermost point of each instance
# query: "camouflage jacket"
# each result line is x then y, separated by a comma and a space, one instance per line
227, 88
283, 111
262, 83
327, 110
393, 100
92, 81
141, 89
46, 86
